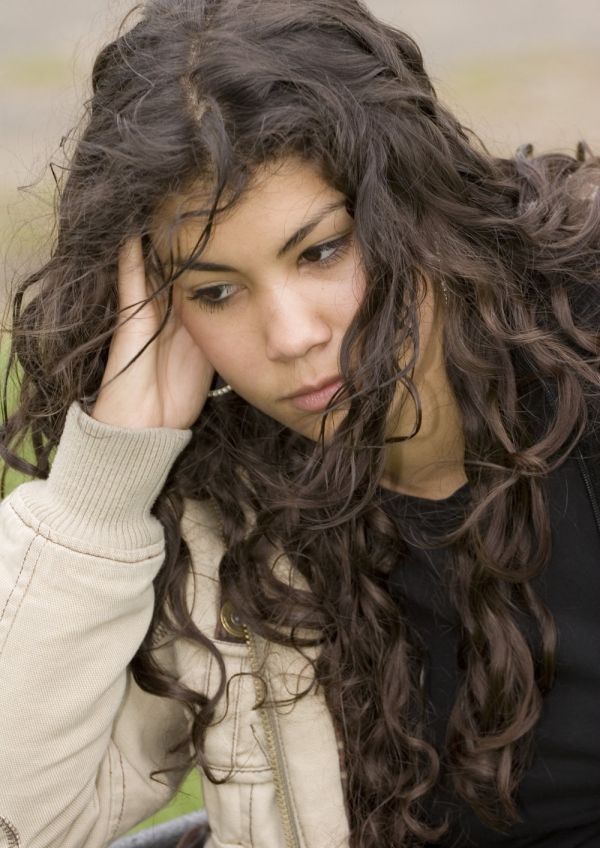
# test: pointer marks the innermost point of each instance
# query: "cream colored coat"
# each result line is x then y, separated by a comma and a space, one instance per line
78, 738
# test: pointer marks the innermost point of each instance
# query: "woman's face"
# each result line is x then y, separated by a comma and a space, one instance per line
273, 293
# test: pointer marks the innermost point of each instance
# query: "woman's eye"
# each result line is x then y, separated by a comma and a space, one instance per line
213, 297
326, 252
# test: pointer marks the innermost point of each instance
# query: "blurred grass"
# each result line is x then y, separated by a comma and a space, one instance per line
188, 799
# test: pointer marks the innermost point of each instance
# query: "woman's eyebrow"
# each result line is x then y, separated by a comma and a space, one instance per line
294, 240
209, 266
301, 234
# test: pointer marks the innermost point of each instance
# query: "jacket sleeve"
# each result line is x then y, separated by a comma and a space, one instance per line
78, 554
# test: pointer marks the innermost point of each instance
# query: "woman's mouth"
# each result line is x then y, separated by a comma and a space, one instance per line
316, 400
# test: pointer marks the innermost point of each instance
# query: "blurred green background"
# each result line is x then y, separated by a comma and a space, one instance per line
188, 799
515, 71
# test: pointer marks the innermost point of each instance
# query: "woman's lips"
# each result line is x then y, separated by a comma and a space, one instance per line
317, 400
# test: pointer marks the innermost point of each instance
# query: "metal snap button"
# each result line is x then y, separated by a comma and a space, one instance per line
231, 621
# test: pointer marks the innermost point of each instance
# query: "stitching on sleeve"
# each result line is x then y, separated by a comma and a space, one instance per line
10, 831
115, 827
18, 577
144, 556
110, 783
124, 784
111, 553
22, 596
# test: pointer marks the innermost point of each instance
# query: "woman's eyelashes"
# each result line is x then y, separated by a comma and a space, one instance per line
327, 252
218, 295
213, 297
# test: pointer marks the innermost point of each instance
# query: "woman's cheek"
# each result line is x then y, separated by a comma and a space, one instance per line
194, 321
218, 341
350, 293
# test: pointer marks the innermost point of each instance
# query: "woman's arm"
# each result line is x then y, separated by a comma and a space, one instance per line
78, 554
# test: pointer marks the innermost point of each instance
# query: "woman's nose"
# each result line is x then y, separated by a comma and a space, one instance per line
295, 324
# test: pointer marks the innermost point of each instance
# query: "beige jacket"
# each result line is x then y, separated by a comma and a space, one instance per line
78, 737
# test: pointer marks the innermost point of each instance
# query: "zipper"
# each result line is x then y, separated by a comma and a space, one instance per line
589, 486
581, 463
269, 720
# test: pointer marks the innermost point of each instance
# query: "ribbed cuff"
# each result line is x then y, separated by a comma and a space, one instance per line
104, 481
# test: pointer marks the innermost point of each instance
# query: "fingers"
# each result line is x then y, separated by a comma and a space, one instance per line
132, 274
140, 309
150, 380
138, 319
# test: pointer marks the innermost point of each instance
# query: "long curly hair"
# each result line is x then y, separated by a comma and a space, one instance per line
213, 89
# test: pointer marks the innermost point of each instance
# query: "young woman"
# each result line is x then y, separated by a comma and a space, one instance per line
322, 520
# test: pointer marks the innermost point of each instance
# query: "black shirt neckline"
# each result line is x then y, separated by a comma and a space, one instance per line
420, 518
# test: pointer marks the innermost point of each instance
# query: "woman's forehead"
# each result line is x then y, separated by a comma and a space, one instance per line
275, 202
198, 199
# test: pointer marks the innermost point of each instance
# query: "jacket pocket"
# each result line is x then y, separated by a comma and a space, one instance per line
214, 842
243, 814
235, 745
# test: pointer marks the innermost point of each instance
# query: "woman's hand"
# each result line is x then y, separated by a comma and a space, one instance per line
168, 385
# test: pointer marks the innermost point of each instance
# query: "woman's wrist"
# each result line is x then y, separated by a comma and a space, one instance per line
105, 479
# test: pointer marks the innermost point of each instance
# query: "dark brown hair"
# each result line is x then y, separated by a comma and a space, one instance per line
213, 89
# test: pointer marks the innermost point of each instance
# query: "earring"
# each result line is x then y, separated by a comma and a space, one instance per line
218, 392
445, 290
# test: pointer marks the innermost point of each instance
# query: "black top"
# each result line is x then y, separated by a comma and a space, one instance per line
559, 798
